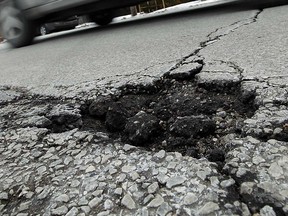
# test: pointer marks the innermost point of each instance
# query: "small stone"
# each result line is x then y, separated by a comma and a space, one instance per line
128, 147
241, 171
285, 208
83, 201
41, 170
121, 177
276, 171
118, 191
190, 198
148, 199
94, 202
2, 207
91, 186
97, 193
3, 196
134, 175
81, 154
277, 131
227, 183
62, 210
208, 208
44, 193
128, 202
257, 160
245, 210
253, 140
267, 211
108, 204
73, 212
97, 160
246, 187
162, 178
222, 114
112, 171
63, 198
144, 211
29, 195
156, 202
161, 154
174, 181
86, 209
105, 158
169, 158
90, 169
104, 213
171, 165
268, 131
128, 168
164, 209
75, 183
153, 188
163, 170
24, 206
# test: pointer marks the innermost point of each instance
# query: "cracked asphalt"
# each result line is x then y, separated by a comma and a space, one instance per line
52, 163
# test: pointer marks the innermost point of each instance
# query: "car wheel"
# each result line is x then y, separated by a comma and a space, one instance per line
44, 30
102, 19
16, 29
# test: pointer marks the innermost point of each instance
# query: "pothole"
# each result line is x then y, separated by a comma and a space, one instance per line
177, 115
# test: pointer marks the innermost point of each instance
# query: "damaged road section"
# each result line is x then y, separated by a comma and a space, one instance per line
176, 115
201, 140
176, 147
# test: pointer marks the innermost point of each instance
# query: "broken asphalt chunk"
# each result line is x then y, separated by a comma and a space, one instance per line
141, 127
192, 126
185, 71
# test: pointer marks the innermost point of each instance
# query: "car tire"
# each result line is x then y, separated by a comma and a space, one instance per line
102, 19
44, 30
16, 29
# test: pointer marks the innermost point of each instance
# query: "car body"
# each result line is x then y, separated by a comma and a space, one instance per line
62, 25
19, 19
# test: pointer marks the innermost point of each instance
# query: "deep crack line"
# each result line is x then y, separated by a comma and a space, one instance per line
213, 39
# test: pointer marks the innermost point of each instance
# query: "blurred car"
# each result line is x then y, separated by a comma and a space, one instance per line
19, 19
62, 25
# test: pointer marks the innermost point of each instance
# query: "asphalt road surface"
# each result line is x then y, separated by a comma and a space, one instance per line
147, 46
59, 156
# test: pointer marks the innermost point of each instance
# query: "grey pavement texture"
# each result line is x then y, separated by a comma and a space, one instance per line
147, 47
83, 173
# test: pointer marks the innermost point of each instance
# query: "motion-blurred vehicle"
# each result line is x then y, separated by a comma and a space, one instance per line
61, 25
19, 19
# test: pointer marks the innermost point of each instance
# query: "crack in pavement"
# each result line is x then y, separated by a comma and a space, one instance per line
219, 33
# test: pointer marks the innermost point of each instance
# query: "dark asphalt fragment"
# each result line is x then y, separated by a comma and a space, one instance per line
193, 126
64, 117
141, 128
116, 117
216, 155
99, 107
